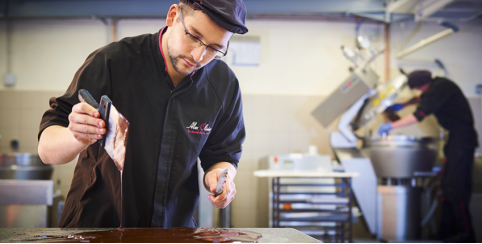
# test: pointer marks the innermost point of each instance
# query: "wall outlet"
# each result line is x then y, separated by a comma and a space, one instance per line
9, 80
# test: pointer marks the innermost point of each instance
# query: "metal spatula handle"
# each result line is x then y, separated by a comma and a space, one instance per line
221, 181
84, 96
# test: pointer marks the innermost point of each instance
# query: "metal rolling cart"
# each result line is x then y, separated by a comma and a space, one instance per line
316, 203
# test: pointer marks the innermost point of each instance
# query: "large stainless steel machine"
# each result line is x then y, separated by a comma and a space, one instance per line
392, 169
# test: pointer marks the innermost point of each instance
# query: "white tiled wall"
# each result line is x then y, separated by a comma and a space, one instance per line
20, 114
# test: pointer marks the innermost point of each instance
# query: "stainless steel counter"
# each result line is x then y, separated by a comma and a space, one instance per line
270, 235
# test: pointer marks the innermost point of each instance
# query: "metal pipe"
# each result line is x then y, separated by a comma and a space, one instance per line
113, 30
425, 42
300, 17
374, 56
387, 51
458, 20
225, 217
430, 213
350, 213
315, 17
9, 46
84, 17
278, 214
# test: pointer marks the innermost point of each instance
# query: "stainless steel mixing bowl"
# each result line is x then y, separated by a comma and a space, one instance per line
23, 166
401, 156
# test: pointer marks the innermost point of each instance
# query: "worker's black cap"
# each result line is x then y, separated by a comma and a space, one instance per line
228, 14
419, 78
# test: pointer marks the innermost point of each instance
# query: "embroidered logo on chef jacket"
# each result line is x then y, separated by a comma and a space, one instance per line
203, 129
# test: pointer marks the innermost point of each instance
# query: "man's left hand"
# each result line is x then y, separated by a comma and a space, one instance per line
229, 188
384, 128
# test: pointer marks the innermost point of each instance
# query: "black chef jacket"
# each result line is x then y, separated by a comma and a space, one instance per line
447, 102
170, 127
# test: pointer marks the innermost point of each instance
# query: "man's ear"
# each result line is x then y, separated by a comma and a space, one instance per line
172, 14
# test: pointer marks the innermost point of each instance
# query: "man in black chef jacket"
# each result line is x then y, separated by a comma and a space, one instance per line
182, 102
445, 100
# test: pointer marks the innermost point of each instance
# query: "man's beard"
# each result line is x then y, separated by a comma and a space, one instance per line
175, 62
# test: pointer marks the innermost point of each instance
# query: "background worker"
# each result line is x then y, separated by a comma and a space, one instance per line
445, 100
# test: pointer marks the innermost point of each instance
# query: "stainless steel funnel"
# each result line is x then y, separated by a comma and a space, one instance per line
401, 156
23, 166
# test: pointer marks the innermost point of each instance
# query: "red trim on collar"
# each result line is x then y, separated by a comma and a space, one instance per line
421, 113
160, 46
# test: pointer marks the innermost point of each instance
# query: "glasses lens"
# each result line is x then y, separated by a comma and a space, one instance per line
191, 40
211, 52
194, 42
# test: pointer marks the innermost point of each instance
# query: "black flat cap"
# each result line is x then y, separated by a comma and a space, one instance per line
419, 78
228, 14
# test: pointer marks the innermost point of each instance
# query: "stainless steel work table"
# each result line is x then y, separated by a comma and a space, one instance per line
270, 235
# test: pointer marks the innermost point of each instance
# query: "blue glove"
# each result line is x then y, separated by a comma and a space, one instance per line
384, 129
396, 107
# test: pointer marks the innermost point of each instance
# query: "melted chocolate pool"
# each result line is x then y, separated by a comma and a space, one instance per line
178, 235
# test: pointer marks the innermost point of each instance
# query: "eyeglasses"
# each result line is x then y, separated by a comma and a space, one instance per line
195, 42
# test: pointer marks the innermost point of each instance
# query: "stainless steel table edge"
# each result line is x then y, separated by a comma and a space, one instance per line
270, 235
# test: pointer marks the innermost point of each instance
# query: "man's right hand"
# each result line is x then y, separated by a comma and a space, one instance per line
85, 124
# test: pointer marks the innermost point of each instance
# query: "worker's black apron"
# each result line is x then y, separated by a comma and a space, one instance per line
456, 183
